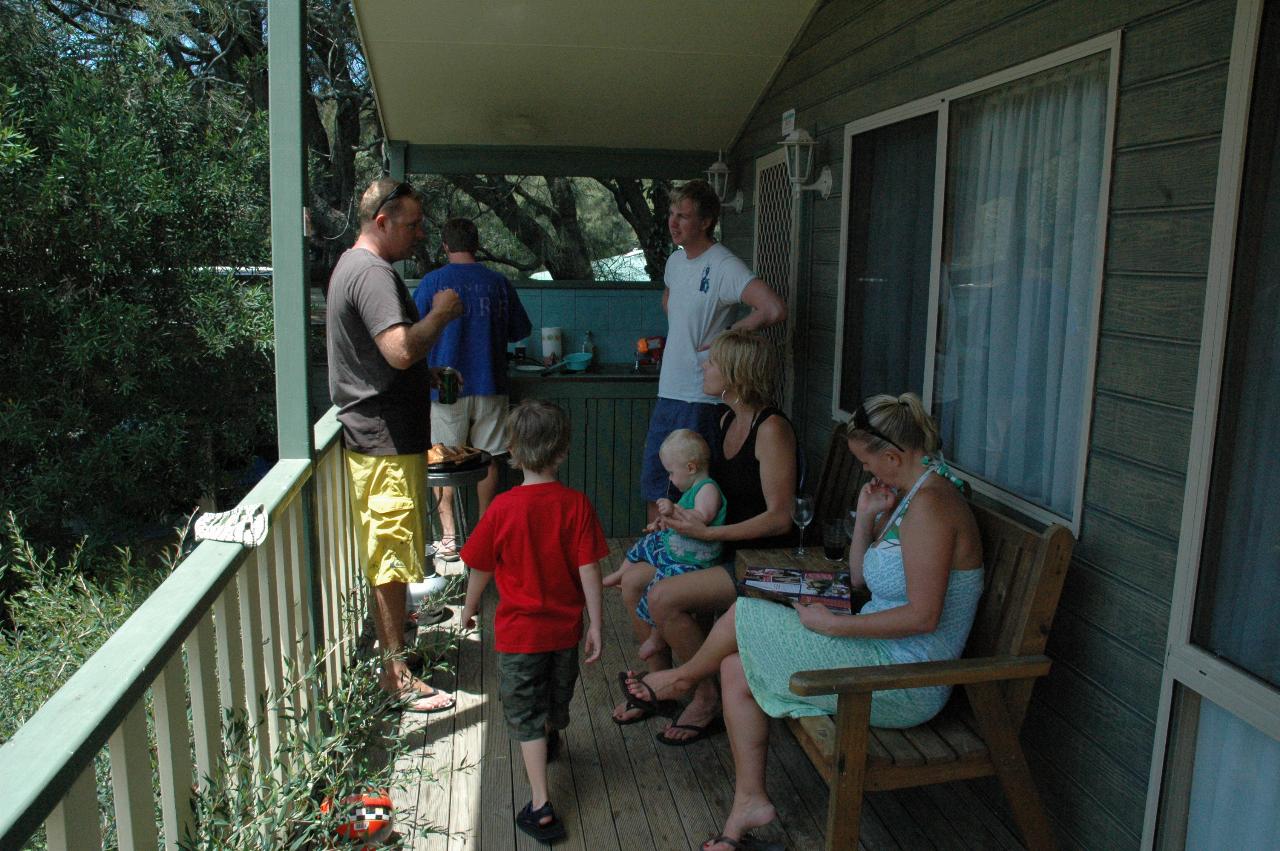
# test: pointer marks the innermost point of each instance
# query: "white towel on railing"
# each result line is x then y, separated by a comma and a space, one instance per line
245, 525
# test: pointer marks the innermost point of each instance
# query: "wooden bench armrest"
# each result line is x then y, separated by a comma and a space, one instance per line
917, 674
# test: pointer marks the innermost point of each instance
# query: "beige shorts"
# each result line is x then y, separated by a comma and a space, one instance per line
478, 421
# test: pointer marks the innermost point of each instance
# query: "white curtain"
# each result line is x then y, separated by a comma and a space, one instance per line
1235, 786
1019, 273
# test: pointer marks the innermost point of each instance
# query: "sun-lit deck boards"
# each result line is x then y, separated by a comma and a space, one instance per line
617, 788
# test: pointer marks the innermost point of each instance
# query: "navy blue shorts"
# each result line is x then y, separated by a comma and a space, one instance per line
669, 415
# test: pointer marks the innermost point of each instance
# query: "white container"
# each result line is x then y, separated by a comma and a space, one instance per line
416, 593
553, 343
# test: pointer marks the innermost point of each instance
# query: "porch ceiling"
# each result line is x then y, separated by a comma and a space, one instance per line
622, 75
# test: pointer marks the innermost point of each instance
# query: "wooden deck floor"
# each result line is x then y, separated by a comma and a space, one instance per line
617, 788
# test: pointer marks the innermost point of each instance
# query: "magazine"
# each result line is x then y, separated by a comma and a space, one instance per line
788, 585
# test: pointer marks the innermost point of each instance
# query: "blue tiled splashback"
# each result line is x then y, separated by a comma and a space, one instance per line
615, 315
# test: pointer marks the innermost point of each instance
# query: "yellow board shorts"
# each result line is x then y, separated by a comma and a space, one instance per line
386, 500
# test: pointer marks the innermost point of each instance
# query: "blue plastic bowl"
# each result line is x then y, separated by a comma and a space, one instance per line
577, 361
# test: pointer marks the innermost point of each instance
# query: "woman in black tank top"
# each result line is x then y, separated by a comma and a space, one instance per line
739, 478
756, 471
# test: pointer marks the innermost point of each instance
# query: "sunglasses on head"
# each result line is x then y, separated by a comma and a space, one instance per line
862, 422
401, 190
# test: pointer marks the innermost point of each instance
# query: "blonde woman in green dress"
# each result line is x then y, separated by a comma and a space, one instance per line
916, 548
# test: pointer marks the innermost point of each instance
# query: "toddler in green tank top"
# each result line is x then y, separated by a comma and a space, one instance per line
687, 459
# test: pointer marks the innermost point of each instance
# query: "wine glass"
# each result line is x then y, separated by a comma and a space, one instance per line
850, 520
802, 514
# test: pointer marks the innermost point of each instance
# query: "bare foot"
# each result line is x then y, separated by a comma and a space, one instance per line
625, 713
652, 645
432, 701
745, 816
421, 697
613, 579
658, 685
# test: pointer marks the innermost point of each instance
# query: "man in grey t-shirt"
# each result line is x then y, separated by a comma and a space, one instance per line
380, 381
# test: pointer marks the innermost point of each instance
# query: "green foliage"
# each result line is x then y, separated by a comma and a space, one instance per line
64, 610
67, 609
359, 752
529, 223
135, 378
63, 613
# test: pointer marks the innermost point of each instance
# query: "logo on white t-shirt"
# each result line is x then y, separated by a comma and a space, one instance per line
705, 284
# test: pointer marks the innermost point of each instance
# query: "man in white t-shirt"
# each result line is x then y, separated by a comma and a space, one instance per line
704, 283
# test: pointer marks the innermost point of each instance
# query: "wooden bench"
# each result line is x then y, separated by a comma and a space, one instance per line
976, 735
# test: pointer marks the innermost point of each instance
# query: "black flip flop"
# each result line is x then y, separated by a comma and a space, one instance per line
529, 820
650, 704
707, 730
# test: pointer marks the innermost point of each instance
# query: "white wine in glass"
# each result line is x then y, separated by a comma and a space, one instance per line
802, 514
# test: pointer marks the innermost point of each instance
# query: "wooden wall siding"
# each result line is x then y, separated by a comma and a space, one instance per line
609, 422
1091, 724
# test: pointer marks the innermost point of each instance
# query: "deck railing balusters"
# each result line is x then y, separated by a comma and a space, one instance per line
131, 780
348, 558
355, 585
73, 824
342, 585
351, 619
239, 615
305, 646
272, 643
173, 752
326, 522
282, 578
226, 614
206, 717
251, 654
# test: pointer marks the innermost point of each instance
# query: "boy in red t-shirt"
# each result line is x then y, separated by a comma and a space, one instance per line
544, 543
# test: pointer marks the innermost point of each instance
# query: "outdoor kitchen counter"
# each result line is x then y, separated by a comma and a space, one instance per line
597, 374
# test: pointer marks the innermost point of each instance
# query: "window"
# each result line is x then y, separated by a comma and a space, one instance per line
1216, 758
973, 229
890, 231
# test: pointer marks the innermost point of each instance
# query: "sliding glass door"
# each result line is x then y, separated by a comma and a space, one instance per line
1217, 778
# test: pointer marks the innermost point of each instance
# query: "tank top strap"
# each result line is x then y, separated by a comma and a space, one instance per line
895, 519
692, 494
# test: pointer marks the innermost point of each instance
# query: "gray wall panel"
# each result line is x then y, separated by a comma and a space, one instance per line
1094, 715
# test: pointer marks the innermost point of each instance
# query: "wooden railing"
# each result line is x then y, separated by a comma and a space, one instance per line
219, 634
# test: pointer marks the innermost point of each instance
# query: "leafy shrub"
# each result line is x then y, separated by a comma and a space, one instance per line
359, 752
65, 610
136, 377
63, 615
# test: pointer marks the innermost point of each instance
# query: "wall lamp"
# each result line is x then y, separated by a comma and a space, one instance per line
798, 148
718, 177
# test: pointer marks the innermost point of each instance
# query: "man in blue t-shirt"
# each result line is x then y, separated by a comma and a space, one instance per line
476, 346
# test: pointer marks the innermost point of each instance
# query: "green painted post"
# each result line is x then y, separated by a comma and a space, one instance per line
290, 281
396, 158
